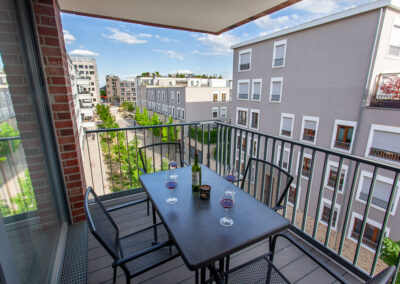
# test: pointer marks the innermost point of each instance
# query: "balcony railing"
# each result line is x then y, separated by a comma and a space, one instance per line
384, 154
286, 132
242, 122
365, 240
308, 137
342, 145
113, 164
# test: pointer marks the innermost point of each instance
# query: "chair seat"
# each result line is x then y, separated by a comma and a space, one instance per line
257, 270
138, 242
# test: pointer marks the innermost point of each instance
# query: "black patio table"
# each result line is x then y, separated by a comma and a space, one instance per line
194, 226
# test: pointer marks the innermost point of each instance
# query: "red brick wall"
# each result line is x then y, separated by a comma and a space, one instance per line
54, 57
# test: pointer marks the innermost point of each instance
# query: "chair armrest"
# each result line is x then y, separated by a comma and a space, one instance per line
308, 253
384, 276
279, 207
141, 253
135, 202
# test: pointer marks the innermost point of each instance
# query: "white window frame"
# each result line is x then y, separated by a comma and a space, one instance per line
276, 43
242, 52
212, 112
248, 89
328, 202
215, 93
334, 133
378, 225
237, 116
383, 179
278, 156
249, 147
273, 80
286, 115
333, 164
396, 22
305, 155
251, 118
311, 118
298, 195
252, 88
226, 112
173, 111
178, 112
383, 128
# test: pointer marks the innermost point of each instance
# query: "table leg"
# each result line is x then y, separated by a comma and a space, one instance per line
221, 265
197, 276
155, 228
203, 275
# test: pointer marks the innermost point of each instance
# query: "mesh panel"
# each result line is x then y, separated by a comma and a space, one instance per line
106, 231
266, 182
158, 156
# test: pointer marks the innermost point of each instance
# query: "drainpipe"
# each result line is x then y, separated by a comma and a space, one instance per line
368, 81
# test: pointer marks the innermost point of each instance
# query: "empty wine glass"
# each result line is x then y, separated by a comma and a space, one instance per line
227, 201
171, 184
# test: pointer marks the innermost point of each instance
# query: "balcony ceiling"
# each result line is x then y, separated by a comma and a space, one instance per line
208, 16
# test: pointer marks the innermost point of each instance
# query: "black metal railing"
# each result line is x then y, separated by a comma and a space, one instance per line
116, 150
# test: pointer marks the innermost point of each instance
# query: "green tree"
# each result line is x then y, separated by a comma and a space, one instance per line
25, 200
390, 252
4, 208
8, 131
155, 120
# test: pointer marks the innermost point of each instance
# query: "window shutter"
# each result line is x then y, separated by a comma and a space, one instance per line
287, 124
279, 51
310, 124
386, 141
245, 58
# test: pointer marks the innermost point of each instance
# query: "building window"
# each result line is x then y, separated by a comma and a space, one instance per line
241, 116
371, 234
243, 89
380, 193
178, 97
287, 120
179, 112
254, 118
223, 97
343, 135
332, 175
223, 112
275, 95
292, 195
384, 143
244, 60
173, 111
214, 112
285, 160
394, 43
309, 129
215, 98
256, 90
306, 166
172, 96
183, 114
279, 53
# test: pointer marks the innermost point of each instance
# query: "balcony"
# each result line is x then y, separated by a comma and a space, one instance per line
384, 154
386, 93
342, 145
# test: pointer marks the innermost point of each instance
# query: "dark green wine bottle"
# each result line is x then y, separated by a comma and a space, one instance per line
196, 173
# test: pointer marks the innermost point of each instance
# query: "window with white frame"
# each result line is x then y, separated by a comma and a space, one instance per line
309, 129
241, 116
380, 193
256, 90
279, 53
254, 118
178, 110
252, 149
287, 120
159, 95
224, 97
243, 89
241, 142
244, 60
325, 213
215, 97
172, 96
214, 112
306, 166
285, 160
178, 97
163, 95
384, 143
292, 192
331, 176
394, 42
275, 94
183, 114
343, 135
173, 111
223, 112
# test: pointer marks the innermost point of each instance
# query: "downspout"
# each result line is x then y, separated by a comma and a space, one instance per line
364, 97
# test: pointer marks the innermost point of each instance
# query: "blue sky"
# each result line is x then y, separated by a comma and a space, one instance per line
127, 50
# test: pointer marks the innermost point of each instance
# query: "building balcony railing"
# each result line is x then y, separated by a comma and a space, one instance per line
308, 137
242, 122
365, 240
217, 143
342, 145
275, 97
278, 62
384, 154
286, 132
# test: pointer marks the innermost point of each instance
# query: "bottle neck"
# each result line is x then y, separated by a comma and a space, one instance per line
196, 159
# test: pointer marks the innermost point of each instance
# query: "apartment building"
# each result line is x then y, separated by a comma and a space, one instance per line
325, 83
198, 99
87, 68
122, 90
6, 108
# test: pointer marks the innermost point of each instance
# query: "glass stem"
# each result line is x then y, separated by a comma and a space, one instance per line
226, 213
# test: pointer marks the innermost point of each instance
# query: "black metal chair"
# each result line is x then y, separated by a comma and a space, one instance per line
271, 191
134, 253
263, 270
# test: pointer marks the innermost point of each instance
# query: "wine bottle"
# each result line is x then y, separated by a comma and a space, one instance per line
196, 173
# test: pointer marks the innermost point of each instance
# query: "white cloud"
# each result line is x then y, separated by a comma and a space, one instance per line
83, 52
217, 45
170, 53
124, 37
317, 6
165, 39
184, 71
270, 23
145, 35
68, 37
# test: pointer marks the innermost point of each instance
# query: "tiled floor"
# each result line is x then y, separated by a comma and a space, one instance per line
297, 267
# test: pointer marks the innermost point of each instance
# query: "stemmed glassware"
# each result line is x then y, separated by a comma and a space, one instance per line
171, 184
226, 201
173, 165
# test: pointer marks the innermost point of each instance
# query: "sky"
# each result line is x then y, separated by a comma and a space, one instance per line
127, 50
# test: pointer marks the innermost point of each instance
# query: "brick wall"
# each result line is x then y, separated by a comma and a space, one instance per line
51, 40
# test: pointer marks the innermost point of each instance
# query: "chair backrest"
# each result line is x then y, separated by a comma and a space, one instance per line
266, 182
156, 157
101, 225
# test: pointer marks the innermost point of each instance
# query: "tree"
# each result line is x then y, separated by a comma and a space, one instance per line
25, 200
390, 252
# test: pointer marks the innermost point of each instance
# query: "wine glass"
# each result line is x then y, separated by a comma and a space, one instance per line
230, 176
171, 184
173, 165
227, 201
